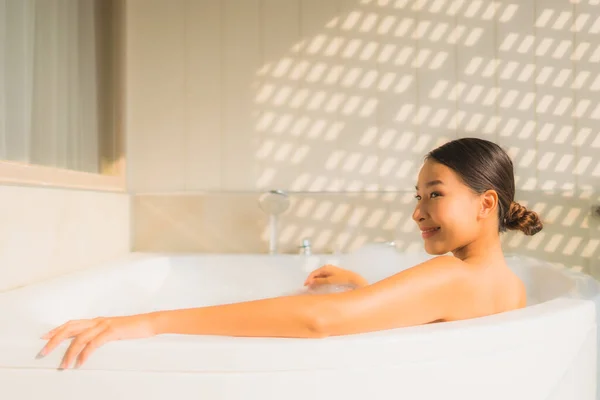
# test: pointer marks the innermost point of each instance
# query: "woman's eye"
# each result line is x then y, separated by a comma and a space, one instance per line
434, 194
417, 197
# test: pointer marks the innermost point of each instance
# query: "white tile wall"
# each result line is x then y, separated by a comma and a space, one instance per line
280, 94
400, 141
46, 232
204, 79
156, 94
346, 95
515, 77
340, 96
554, 94
476, 69
586, 83
592, 248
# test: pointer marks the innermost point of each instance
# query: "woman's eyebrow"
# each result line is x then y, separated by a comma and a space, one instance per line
432, 183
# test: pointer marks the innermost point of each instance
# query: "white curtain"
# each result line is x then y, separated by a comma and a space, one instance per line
49, 83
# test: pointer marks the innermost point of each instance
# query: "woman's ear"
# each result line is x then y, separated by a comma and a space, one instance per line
489, 203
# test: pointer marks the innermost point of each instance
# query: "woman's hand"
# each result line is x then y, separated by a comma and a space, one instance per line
89, 334
330, 274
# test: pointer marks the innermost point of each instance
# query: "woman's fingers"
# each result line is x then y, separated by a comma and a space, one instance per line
64, 332
322, 281
80, 342
47, 335
92, 345
93, 333
51, 333
310, 278
322, 272
313, 277
319, 280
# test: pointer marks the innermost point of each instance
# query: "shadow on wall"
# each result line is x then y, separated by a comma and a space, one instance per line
234, 223
354, 105
383, 82
345, 222
349, 96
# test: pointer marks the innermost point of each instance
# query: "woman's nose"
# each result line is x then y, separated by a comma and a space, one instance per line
418, 214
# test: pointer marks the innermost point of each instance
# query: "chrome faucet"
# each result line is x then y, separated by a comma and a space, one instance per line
305, 248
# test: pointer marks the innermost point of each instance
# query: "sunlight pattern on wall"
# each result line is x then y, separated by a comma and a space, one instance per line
337, 101
355, 102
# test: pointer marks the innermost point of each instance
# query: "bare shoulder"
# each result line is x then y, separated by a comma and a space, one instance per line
463, 290
445, 262
442, 288
435, 290
438, 274
442, 267
515, 292
477, 290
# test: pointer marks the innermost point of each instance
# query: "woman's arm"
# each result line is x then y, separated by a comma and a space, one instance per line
292, 316
431, 291
422, 294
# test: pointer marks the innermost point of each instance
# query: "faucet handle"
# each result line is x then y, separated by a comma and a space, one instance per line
305, 243
305, 248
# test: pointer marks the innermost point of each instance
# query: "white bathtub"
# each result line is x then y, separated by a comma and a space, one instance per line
546, 351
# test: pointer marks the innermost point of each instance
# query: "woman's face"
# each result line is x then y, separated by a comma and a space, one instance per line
446, 210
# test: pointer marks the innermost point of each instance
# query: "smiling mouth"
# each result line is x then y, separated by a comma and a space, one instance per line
426, 234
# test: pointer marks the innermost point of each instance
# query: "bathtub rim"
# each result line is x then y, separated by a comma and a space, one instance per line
489, 335
550, 312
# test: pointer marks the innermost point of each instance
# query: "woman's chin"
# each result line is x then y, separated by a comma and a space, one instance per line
435, 250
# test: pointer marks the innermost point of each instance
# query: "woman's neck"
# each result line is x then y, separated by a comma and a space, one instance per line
484, 248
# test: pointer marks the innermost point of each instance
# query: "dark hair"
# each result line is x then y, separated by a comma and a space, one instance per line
483, 165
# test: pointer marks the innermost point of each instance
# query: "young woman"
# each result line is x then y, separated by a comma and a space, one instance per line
464, 199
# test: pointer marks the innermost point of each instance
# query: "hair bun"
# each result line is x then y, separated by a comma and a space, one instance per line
522, 219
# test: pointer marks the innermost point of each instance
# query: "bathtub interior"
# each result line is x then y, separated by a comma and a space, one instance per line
147, 282
158, 282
